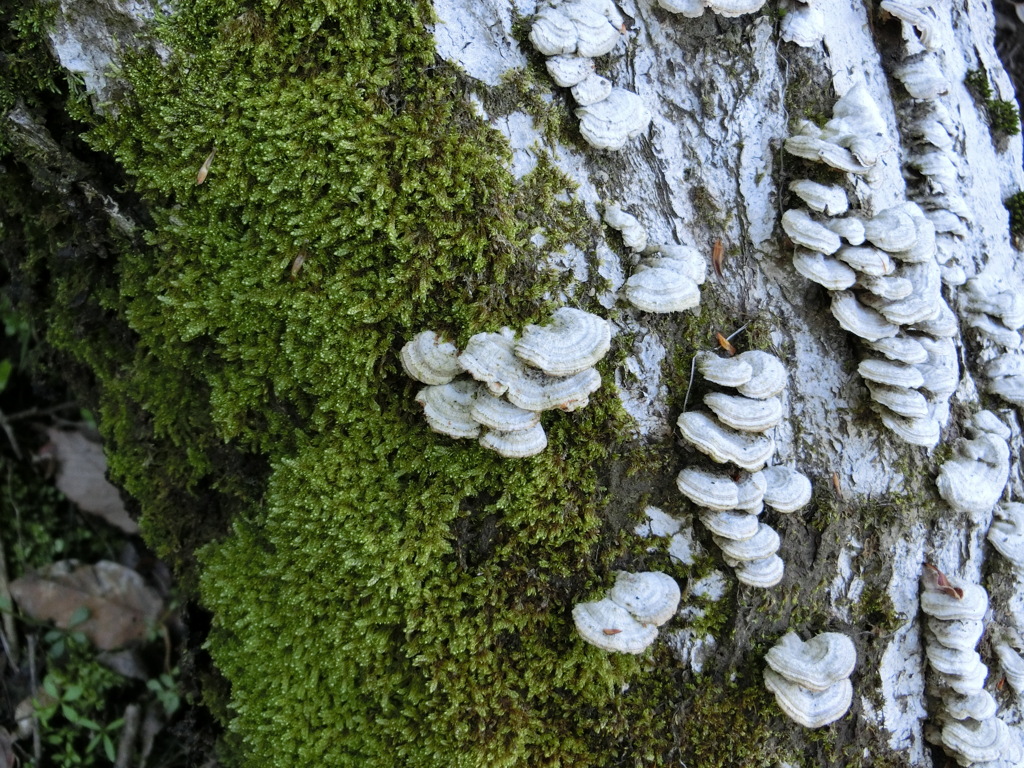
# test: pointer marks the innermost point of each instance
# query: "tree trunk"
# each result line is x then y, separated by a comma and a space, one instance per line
385, 595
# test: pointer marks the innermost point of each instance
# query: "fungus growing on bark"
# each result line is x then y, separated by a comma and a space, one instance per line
611, 627
517, 444
612, 122
1006, 533
786, 490
448, 408
429, 359
824, 270
805, 231
650, 596
727, 371
816, 664
574, 341
823, 198
724, 445
745, 413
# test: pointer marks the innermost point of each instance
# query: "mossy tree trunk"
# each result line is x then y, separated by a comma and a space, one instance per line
383, 595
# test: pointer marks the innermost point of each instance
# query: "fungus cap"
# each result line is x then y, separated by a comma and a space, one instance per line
952, 661
1008, 364
661, 290
1013, 666
901, 348
870, 261
943, 326
633, 233
611, 627
917, 15
890, 287
610, 123
501, 415
823, 198
850, 229
553, 33
1009, 388
824, 270
490, 358
689, 8
803, 25
978, 706
923, 432
974, 485
536, 391
727, 371
596, 33
923, 304
681, 258
768, 376
764, 543
650, 596
891, 230
763, 573
859, 320
805, 231
900, 400
971, 607
591, 89
750, 492
941, 371
722, 444
977, 741
732, 8
890, 372
518, 444
922, 76
811, 709
711, 490
1006, 533
447, 408
735, 526
925, 245
786, 489
574, 341
817, 664
960, 634
429, 359
568, 70
968, 684
745, 413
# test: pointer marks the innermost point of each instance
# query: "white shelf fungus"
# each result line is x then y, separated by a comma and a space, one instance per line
598, 25
724, 445
591, 89
859, 320
429, 359
978, 706
923, 432
850, 229
574, 341
727, 371
763, 573
661, 290
745, 413
651, 597
974, 741
534, 391
816, 664
891, 288
568, 71
718, 490
867, 260
681, 258
891, 230
447, 408
764, 543
824, 270
768, 377
902, 348
902, 401
518, 444
971, 606
611, 627
610, 123
490, 358
633, 233
786, 490
973, 481
627, 620
811, 709
890, 372
805, 231
736, 526
962, 634
1006, 533
689, 8
1013, 666
922, 76
501, 415
830, 200
811, 680
732, 8
803, 24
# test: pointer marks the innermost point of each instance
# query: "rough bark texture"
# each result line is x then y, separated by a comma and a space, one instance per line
382, 595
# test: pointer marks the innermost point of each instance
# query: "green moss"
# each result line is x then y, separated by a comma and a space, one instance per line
1003, 116
1015, 205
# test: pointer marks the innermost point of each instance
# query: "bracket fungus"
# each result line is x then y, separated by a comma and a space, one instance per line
448, 408
973, 481
816, 664
803, 24
724, 445
859, 320
768, 375
517, 444
718, 491
568, 71
610, 123
726, 371
501, 415
661, 290
804, 230
786, 490
810, 679
633, 233
763, 573
534, 391
627, 620
745, 413
1006, 533
736, 526
824, 270
429, 359
574, 341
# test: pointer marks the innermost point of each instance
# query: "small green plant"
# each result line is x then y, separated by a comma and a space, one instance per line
1003, 116
1015, 205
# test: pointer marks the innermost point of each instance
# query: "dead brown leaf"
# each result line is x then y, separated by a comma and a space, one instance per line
120, 608
81, 476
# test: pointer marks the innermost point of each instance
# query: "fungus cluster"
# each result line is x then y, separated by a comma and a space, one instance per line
627, 619
803, 24
571, 34
734, 433
973, 480
1012, 664
811, 680
511, 381
882, 273
695, 8
996, 311
667, 278
967, 726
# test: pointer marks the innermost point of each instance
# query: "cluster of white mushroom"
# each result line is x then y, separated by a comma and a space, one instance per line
997, 311
695, 8
811, 681
974, 479
1011, 662
512, 381
668, 277
571, 34
882, 273
967, 726
627, 620
731, 502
